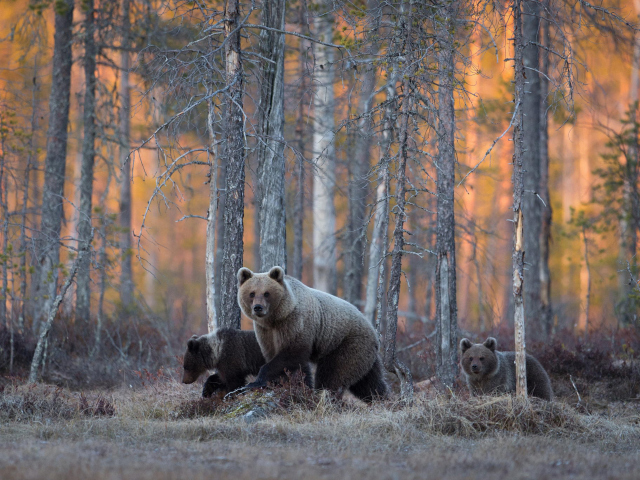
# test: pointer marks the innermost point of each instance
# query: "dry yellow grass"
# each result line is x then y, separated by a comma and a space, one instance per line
158, 433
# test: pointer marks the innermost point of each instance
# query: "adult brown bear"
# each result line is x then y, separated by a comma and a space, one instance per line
296, 324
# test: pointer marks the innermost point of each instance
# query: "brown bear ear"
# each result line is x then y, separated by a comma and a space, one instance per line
491, 344
244, 274
277, 274
192, 344
465, 344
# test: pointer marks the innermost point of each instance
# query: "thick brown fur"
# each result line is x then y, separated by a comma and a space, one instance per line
489, 371
233, 353
296, 324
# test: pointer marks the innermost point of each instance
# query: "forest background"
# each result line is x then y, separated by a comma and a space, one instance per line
147, 280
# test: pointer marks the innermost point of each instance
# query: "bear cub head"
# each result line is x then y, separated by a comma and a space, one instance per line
479, 359
198, 358
260, 294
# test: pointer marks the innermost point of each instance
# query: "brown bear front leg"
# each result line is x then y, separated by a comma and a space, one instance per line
287, 360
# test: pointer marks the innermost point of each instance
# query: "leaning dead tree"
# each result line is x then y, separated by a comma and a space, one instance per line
85, 250
518, 190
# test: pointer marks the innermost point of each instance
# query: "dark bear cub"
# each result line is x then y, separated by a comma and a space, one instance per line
489, 371
234, 354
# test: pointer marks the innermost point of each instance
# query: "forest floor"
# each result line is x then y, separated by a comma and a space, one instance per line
164, 431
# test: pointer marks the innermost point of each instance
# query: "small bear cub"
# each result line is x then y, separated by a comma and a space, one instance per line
234, 354
489, 371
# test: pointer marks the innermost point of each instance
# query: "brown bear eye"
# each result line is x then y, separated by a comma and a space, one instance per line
266, 294
481, 359
471, 359
251, 295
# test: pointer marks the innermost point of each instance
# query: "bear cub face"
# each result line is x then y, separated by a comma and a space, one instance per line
479, 360
262, 293
194, 359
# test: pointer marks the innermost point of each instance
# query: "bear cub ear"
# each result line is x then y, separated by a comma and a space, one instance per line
465, 344
277, 274
244, 274
192, 344
491, 344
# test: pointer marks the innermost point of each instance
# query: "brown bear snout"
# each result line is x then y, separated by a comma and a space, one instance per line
259, 310
188, 377
475, 368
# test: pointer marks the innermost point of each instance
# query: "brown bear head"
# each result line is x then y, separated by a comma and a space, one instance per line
479, 359
198, 358
261, 295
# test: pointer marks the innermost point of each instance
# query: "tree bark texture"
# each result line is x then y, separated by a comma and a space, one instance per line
446, 305
324, 179
55, 161
234, 155
273, 234
546, 314
126, 166
518, 220
531, 204
83, 290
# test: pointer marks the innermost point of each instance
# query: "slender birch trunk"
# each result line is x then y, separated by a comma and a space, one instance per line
126, 166
518, 189
446, 305
324, 213
588, 293
83, 288
234, 156
271, 171
55, 162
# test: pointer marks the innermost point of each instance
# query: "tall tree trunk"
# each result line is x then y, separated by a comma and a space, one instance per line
233, 155
301, 131
220, 230
31, 160
126, 165
210, 254
546, 314
273, 234
83, 290
531, 204
518, 190
446, 306
55, 161
358, 189
391, 362
324, 179
378, 244
4, 209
